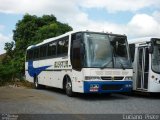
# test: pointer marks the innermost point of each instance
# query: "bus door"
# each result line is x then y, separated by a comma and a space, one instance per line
143, 68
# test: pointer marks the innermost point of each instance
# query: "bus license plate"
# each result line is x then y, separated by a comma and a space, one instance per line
94, 88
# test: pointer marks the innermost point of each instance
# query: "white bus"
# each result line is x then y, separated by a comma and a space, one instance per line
81, 61
145, 54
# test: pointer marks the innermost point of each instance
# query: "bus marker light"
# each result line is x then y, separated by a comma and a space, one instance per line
128, 85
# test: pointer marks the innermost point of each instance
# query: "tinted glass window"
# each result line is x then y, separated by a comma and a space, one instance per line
27, 56
43, 51
62, 46
30, 54
36, 53
52, 48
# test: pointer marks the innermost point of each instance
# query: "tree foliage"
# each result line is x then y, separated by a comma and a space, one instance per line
28, 31
9, 48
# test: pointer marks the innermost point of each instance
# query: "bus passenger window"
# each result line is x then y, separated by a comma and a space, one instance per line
65, 47
43, 51
62, 46
27, 56
36, 53
30, 54
52, 49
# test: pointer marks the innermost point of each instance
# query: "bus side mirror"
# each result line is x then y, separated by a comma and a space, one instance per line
151, 49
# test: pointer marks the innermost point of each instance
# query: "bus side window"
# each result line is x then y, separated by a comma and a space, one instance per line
30, 54
36, 53
52, 49
62, 46
132, 51
27, 56
75, 52
43, 50
65, 47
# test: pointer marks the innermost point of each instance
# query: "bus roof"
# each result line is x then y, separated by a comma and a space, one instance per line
63, 35
141, 40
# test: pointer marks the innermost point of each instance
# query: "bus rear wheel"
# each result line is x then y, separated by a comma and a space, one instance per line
68, 87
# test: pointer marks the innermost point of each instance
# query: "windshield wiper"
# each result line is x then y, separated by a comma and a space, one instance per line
105, 64
122, 65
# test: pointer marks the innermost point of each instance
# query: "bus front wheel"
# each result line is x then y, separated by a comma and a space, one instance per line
36, 84
68, 87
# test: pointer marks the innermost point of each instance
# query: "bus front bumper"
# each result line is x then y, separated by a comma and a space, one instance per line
107, 86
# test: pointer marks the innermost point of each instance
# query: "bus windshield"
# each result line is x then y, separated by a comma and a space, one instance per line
106, 51
156, 58
120, 51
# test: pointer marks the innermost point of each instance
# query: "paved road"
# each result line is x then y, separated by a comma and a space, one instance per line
31, 101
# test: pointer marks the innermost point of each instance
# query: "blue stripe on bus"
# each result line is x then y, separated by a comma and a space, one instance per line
87, 85
35, 71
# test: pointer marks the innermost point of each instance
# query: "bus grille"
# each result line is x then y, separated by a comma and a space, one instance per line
112, 78
111, 87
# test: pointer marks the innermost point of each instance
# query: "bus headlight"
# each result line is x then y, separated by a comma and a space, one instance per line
128, 78
92, 78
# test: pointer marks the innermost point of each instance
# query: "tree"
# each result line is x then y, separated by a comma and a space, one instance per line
31, 30
9, 48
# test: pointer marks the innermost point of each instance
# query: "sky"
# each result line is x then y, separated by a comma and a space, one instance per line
134, 18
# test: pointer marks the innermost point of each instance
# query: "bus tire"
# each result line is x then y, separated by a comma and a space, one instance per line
68, 87
36, 84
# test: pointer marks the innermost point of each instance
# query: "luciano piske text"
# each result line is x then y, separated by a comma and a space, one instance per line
141, 116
